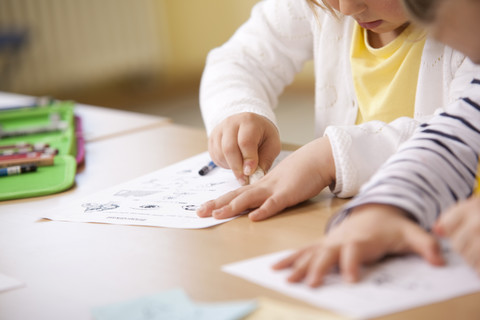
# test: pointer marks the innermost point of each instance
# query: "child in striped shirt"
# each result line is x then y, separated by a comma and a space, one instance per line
432, 171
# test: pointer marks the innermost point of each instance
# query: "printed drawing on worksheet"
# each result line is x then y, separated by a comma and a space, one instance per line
165, 198
393, 285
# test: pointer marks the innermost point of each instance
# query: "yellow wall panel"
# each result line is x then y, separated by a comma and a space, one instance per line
195, 27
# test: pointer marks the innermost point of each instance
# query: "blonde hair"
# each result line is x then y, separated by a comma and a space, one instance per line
324, 5
315, 3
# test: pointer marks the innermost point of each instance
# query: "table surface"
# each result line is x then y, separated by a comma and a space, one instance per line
68, 268
102, 123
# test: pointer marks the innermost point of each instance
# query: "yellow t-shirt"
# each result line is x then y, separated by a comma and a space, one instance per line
385, 79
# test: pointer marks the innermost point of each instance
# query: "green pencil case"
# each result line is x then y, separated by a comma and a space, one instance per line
47, 179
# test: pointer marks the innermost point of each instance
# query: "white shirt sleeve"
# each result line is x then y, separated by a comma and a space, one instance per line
359, 151
250, 71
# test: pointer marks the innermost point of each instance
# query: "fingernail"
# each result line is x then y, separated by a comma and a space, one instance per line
248, 166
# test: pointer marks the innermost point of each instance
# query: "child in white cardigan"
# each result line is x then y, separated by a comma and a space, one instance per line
431, 172
370, 64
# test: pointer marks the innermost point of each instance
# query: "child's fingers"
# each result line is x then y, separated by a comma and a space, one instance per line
288, 261
300, 266
248, 146
215, 149
451, 219
233, 154
350, 261
271, 206
267, 154
324, 260
424, 244
466, 239
249, 153
461, 238
438, 229
243, 200
470, 254
208, 207
467, 233
268, 151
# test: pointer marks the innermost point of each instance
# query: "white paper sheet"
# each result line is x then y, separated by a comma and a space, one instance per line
8, 283
8, 100
392, 286
166, 198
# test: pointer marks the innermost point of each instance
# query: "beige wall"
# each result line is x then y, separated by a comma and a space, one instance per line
192, 28
86, 45
74, 44
195, 27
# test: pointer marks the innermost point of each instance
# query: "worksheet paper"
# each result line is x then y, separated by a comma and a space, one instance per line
394, 285
168, 198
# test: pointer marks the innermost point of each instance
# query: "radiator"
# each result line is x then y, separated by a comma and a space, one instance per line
72, 43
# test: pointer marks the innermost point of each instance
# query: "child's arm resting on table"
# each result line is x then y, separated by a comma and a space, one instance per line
300, 176
244, 141
368, 234
461, 224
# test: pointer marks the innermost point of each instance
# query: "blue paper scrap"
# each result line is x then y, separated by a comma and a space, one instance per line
173, 305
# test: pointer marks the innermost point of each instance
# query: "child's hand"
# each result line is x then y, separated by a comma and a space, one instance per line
461, 224
300, 176
244, 141
368, 234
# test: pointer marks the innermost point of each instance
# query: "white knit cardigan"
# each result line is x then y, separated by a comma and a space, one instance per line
249, 72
